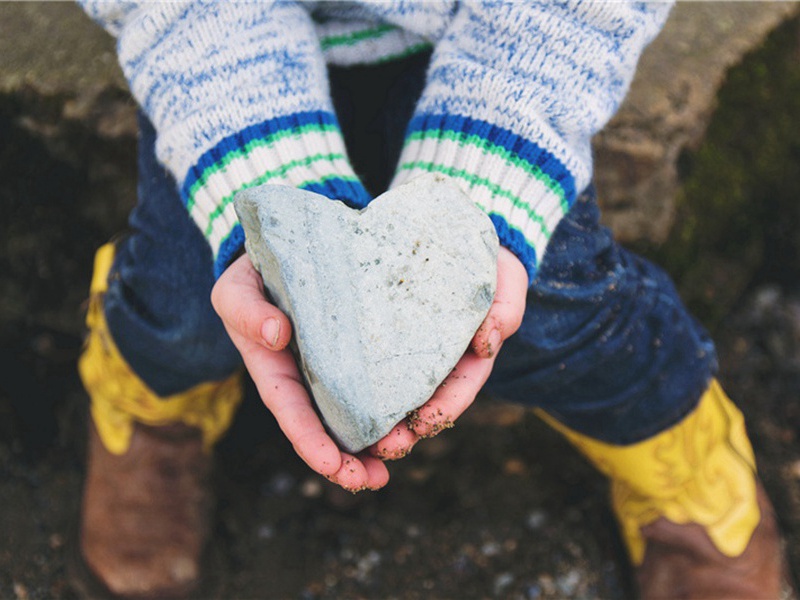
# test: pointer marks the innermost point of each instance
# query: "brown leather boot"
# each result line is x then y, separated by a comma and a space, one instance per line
695, 519
147, 500
146, 513
681, 561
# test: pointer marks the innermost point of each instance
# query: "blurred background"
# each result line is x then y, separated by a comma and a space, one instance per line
700, 171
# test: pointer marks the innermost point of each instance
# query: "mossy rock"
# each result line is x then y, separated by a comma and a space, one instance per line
738, 217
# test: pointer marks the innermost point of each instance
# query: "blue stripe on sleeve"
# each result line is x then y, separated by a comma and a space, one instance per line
253, 132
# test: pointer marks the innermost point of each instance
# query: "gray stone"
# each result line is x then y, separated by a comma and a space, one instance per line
383, 301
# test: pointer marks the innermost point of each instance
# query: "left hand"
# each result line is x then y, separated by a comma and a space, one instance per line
459, 389
261, 333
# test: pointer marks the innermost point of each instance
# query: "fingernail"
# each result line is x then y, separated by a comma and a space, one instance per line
494, 341
271, 331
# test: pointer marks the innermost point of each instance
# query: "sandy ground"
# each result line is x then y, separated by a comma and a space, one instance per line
518, 515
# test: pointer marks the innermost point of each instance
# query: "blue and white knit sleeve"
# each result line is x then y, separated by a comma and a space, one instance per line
238, 94
515, 92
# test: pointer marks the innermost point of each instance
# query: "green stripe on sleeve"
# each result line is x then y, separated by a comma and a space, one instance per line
488, 147
282, 170
248, 148
352, 38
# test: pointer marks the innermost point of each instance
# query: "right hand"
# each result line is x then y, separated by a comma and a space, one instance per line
461, 386
261, 333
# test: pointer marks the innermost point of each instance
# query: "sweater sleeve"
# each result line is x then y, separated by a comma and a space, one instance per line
238, 94
514, 93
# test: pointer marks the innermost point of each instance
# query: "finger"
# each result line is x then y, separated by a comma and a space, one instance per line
352, 475
361, 472
238, 298
507, 309
396, 444
283, 393
377, 473
453, 397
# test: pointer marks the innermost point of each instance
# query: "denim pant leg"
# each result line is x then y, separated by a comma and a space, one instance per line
606, 345
158, 303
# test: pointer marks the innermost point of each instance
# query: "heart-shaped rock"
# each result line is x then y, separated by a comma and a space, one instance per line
383, 301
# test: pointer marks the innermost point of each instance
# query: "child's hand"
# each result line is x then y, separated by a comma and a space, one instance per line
461, 387
261, 333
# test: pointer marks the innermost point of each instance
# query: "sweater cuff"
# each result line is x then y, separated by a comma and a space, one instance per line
523, 188
303, 150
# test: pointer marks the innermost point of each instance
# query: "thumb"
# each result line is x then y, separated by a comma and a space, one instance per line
238, 298
507, 309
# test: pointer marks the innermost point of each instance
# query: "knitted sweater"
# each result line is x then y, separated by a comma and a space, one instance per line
238, 94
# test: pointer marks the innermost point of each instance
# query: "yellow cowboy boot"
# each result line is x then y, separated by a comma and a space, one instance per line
147, 501
695, 519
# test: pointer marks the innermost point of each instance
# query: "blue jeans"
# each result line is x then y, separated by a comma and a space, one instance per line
606, 345
158, 304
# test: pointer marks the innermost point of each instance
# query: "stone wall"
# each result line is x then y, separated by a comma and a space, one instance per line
670, 103
54, 51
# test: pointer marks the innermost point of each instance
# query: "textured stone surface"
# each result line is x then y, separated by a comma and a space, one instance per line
56, 47
63, 69
383, 301
668, 108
